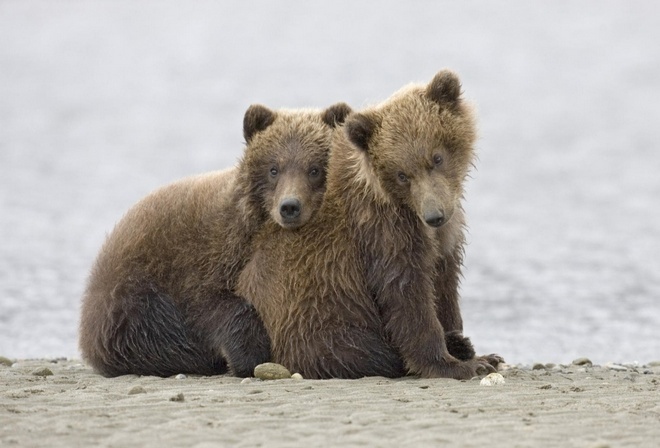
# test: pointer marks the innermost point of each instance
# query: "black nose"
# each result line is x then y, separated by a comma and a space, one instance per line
290, 208
434, 219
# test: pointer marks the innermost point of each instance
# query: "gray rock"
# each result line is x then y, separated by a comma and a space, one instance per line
6, 361
137, 390
654, 364
178, 397
582, 362
42, 371
538, 366
271, 371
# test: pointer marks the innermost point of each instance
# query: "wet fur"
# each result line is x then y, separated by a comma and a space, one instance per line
159, 298
367, 288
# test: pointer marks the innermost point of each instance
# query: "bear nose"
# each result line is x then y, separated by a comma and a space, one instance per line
290, 208
434, 219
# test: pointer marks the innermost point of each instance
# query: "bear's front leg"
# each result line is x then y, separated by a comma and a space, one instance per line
408, 312
446, 282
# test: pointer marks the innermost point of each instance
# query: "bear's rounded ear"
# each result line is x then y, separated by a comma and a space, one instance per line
336, 114
360, 128
256, 119
445, 88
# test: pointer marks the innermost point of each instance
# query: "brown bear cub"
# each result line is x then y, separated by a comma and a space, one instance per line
369, 285
159, 299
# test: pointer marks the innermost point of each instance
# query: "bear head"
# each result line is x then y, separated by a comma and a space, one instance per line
417, 147
285, 160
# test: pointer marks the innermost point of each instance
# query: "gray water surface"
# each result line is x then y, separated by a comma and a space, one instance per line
101, 102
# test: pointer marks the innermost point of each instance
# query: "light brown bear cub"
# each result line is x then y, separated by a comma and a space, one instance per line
159, 299
369, 286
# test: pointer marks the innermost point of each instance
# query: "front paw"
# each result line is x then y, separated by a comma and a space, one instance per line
459, 370
492, 359
459, 346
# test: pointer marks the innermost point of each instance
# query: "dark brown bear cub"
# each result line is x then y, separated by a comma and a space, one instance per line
159, 299
369, 285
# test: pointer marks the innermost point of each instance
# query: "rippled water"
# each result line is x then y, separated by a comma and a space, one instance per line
101, 102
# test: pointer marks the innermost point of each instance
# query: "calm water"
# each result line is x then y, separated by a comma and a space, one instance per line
101, 102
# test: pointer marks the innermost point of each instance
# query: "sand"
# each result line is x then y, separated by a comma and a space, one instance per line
563, 405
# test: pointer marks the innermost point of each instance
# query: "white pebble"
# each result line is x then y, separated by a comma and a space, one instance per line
297, 376
246, 381
616, 367
181, 376
494, 379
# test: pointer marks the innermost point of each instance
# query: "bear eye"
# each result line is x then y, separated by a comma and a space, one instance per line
437, 160
273, 171
314, 172
402, 177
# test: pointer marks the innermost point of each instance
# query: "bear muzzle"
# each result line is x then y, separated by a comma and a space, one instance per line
434, 218
290, 209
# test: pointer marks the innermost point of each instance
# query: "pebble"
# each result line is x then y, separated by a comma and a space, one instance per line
181, 376
616, 367
654, 364
6, 361
538, 366
297, 376
493, 379
178, 397
137, 390
271, 371
42, 371
582, 362
246, 381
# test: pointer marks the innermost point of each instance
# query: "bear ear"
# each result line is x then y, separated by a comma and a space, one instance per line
444, 89
256, 119
360, 128
336, 114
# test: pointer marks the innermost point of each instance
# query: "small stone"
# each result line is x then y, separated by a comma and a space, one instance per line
654, 364
297, 376
493, 379
137, 390
616, 367
550, 365
181, 376
271, 371
582, 362
178, 397
538, 366
6, 361
42, 371
246, 381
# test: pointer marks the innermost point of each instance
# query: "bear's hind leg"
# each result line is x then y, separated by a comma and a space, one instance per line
146, 335
235, 331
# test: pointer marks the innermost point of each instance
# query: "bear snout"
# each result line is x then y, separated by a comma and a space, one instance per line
290, 209
434, 218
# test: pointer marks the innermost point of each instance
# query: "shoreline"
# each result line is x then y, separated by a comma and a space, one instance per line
539, 405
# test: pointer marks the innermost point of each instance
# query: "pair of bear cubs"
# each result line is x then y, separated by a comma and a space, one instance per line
334, 247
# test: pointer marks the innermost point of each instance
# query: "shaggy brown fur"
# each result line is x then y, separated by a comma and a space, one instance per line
159, 300
369, 286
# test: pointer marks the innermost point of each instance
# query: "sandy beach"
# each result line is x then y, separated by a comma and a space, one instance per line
541, 405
